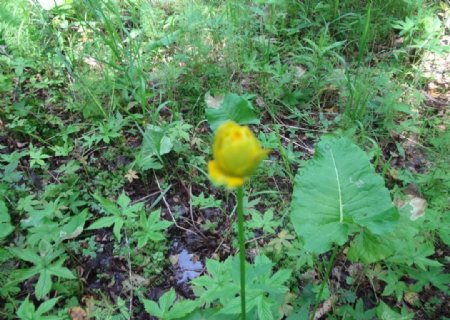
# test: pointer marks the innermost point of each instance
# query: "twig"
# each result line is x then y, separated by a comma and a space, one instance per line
258, 238
325, 308
301, 128
146, 197
304, 146
130, 308
192, 212
169, 210
434, 100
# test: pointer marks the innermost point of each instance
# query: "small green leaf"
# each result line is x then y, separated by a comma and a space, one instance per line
74, 227
61, 272
107, 205
233, 107
26, 255
152, 308
26, 310
103, 222
167, 300
182, 308
44, 284
20, 275
155, 144
117, 228
46, 306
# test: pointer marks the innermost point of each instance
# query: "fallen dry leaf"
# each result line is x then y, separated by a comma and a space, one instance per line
213, 102
418, 206
131, 175
78, 313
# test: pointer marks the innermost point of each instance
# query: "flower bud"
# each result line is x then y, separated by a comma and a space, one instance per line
236, 153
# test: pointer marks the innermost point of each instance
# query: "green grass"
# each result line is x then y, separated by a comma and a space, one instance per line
107, 98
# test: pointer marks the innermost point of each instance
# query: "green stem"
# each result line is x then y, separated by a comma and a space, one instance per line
325, 279
240, 212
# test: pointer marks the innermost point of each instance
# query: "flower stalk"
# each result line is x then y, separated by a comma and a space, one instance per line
241, 239
236, 154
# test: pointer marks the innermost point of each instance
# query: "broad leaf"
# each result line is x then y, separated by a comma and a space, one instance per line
336, 194
233, 107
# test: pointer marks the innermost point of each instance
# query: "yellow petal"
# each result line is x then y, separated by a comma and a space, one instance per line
220, 178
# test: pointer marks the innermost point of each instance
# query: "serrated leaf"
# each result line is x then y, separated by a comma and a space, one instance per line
61, 272
167, 300
234, 306
107, 205
233, 107
264, 309
338, 192
182, 308
152, 308
26, 255
384, 312
123, 201
20, 275
103, 222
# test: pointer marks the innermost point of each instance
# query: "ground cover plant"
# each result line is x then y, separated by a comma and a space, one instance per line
108, 113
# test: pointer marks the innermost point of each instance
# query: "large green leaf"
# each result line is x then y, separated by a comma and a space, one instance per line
336, 194
233, 107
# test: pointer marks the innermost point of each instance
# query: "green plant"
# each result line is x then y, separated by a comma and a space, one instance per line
150, 228
119, 215
167, 308
265, 290
27, 310
44, 265
118, 99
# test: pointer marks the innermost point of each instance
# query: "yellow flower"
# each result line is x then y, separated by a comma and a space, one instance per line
236, 153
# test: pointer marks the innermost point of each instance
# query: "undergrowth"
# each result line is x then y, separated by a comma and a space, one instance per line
106, 120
